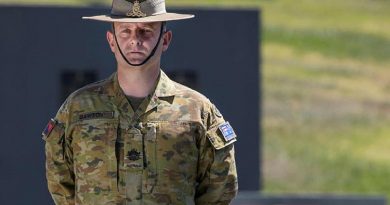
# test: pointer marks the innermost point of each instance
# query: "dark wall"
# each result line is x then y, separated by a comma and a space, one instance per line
220, 47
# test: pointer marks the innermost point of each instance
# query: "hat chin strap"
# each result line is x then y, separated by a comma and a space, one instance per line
151, 54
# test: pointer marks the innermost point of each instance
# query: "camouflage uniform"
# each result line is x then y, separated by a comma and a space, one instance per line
171, 150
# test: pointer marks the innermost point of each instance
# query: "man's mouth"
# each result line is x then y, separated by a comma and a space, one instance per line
136, 52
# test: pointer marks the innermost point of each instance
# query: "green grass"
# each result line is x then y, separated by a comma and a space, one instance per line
326, 93
332, 42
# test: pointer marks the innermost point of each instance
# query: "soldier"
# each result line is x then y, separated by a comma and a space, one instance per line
139, 137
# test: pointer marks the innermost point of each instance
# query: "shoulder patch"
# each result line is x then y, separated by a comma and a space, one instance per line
49, 127
221, 136
227, 131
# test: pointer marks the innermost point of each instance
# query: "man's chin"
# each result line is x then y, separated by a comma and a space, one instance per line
136, 61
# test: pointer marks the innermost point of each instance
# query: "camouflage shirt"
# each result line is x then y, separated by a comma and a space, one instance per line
176, 148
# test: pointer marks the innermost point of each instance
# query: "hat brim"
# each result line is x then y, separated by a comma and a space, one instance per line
154, 18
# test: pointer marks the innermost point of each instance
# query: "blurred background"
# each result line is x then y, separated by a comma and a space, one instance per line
325, 92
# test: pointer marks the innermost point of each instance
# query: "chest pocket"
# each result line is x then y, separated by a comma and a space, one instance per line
94, 155
177, 156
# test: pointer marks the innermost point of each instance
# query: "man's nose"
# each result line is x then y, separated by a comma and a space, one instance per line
134, 39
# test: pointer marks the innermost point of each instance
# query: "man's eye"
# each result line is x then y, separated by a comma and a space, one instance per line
146, 31
124, 32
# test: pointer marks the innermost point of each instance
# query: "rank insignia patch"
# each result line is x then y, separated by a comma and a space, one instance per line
49, 127
227, 131
133, 155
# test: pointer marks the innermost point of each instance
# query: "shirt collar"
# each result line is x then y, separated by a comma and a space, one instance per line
165, 88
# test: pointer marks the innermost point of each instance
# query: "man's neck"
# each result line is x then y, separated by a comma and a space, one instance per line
138, 82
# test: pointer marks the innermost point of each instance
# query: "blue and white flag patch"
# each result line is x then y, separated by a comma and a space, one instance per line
227, 131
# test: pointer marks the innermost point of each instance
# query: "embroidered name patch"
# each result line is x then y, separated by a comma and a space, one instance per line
227, 131
96, 115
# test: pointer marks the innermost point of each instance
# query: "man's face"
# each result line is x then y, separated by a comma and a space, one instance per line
137, 40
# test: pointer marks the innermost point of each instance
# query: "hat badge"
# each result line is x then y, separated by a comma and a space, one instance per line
136, 9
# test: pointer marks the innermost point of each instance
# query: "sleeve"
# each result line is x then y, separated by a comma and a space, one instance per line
59, 171
217, 175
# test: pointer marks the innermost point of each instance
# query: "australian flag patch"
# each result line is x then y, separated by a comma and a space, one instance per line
227, 131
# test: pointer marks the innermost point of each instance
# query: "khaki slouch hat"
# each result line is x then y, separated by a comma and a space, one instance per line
138, 11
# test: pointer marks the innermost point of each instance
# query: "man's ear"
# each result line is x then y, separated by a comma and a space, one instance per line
111, 40
167, 38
